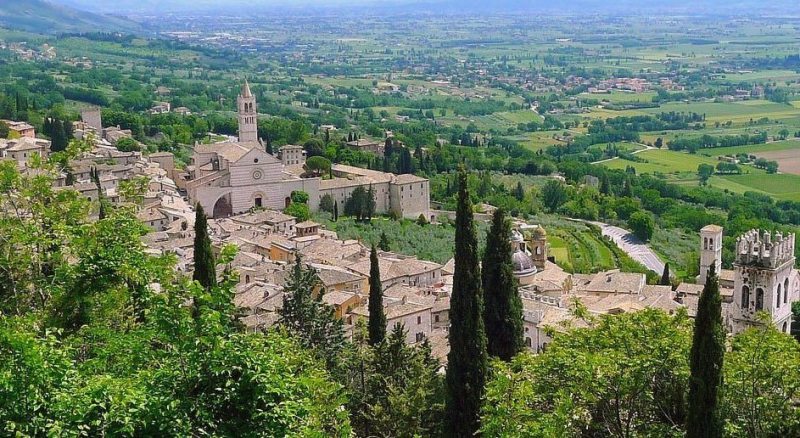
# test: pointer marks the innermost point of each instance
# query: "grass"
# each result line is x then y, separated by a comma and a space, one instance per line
781, 186
663, 161
753, 149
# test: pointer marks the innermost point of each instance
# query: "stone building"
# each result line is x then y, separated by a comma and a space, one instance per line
233, 177
765, 280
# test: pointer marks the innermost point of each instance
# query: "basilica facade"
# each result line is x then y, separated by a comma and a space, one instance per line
232, 177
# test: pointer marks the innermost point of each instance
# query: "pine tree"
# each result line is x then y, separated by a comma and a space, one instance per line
377, 319
204, 266
605, 185
502, 313
704, 418
467, 359
665, 279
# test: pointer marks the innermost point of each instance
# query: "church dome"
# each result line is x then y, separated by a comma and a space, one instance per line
522, 263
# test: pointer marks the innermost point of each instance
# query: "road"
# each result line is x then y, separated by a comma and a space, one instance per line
632, 246
646, 148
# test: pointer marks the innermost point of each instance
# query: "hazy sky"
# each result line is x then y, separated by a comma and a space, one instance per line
589, 6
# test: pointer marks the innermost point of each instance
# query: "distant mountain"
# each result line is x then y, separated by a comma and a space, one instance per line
42, 16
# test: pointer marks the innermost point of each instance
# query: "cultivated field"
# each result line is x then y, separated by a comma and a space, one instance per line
662, 161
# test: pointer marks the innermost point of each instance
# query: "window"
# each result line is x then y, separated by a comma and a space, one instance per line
419, 320
258, 202
528, 342
705, 242
778, 300
420, 337
759, 299
247, 278
785, 291
745, 297
436, 318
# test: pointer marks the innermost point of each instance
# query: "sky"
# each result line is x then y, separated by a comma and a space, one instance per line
589, 6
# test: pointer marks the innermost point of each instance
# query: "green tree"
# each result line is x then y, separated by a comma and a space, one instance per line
300, 211
307, 317
554, 195
377, 319
502, 312
705, 361
705, 171
318, 165
326, 203
467, 359
620, 375
761, 383
205, 271
665, 276
642, 225
383, 243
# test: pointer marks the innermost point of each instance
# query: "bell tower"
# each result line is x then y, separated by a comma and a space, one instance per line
248, 117
710, 251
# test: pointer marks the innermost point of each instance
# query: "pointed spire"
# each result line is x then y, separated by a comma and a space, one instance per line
246, 89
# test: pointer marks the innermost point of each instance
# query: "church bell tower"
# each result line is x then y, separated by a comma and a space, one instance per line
248, 117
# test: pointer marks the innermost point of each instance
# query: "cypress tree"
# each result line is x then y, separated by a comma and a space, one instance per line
335, 211
467, 359
665, 280
502, 313
377, 319
204, 266
704, 418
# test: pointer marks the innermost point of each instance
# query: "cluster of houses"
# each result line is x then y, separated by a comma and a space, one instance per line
244, 188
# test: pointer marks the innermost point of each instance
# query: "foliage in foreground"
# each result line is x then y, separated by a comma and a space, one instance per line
627, 375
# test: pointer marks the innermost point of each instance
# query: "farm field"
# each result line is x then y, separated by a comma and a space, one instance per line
780, 186
662, 161
741, 111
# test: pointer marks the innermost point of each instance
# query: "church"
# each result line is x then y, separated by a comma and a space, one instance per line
232, 177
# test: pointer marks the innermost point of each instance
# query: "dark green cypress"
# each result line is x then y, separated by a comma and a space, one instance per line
377, 319
705, 361
204, 266
467, 359
665, 280
502, 313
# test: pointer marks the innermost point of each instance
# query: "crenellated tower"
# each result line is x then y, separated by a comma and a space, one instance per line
765, 279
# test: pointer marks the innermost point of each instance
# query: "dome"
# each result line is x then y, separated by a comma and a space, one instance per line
522, 263
539, 232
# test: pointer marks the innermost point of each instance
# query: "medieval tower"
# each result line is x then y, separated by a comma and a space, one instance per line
248, 117
710, 251
765, 279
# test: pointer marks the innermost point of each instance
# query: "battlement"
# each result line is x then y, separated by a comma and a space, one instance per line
759, 248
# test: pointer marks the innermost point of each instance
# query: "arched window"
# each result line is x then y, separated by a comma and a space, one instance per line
247, 278
784, 328
711, 243
759, 299
705, 242
528, 342
538, 250
786, 291
778, 300
745, 297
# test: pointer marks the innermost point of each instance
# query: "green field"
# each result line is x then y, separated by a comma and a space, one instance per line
780, 186
753, 149
662, 161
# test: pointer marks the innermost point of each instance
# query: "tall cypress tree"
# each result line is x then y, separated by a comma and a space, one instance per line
502, 313
204, 266
665, 280
704, 418
377, 319
467, 359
